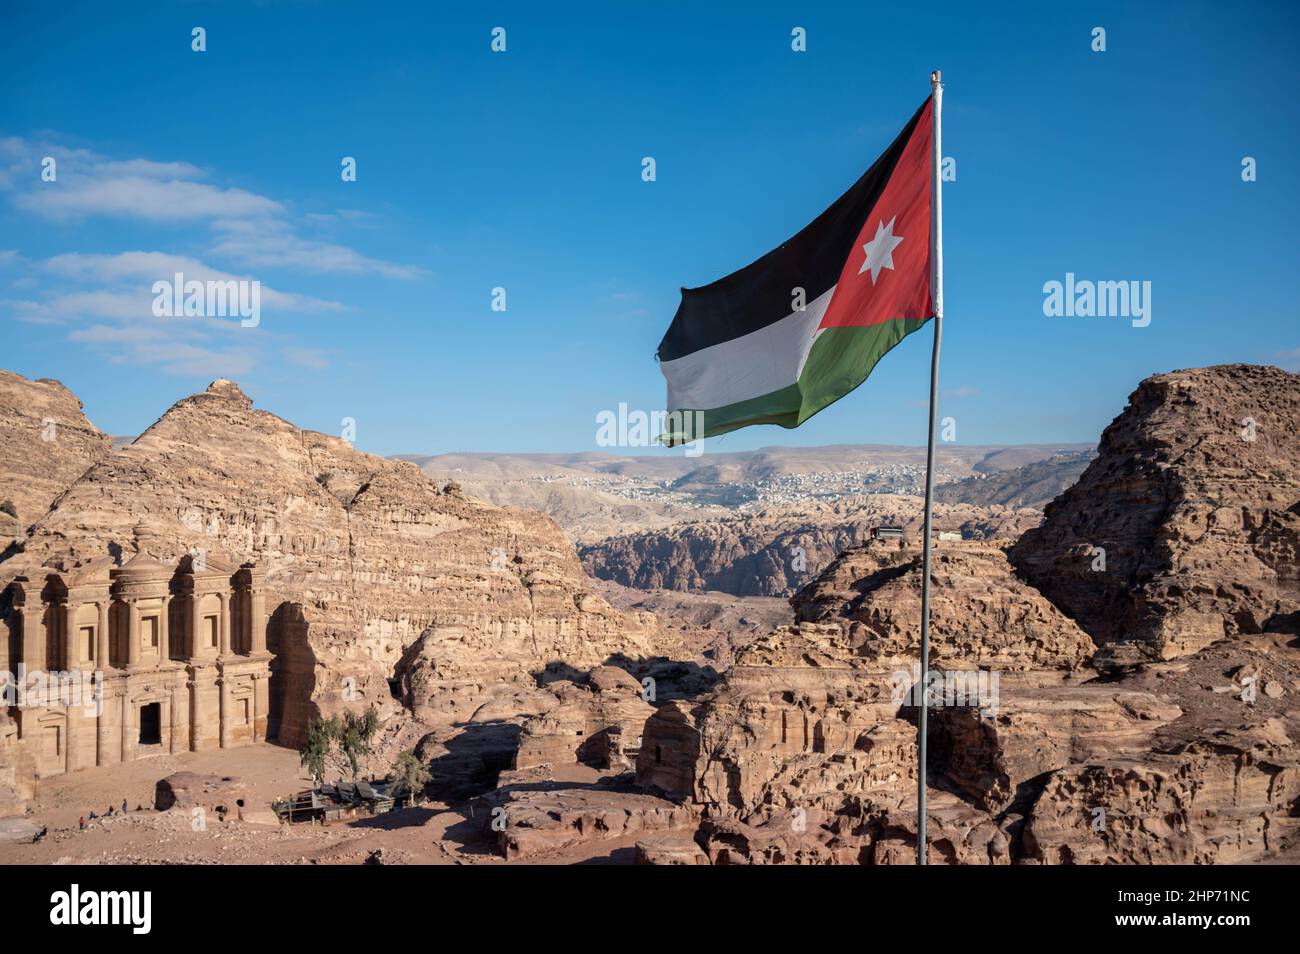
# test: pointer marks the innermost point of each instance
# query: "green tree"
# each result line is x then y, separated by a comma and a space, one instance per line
410, 774
313, 753
354, 735
342, 741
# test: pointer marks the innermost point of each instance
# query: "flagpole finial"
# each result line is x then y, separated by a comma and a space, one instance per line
936, 77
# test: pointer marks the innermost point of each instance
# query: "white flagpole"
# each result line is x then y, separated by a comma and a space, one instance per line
936, 291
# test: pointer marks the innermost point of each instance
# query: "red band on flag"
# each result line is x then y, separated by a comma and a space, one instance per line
887, 274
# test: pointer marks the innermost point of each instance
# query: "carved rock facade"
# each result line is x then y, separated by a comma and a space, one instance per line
115, 663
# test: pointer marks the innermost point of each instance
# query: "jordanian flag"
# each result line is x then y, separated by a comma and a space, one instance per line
782, 338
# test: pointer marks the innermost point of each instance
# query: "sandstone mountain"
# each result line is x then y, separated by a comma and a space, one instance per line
805, 751
46, 443
981, 615
1186, 528
775, 550
365, 555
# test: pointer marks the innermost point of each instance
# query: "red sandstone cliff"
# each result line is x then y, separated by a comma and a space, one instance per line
1195, 498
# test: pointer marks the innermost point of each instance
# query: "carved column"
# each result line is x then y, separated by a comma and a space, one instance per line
178, 729
68, 655
195, 625
103, 728
246, 623
102, 660
128, 720
196, 724
33, 637
256, 710
166, 716
257, 622
223, 685
132, 633
70, 748
263, 689
164, 638
224, 622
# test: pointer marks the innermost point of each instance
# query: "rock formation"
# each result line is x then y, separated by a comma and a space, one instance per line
598, 723
1034, 485
981, 614
1186, 528
669, 850
365, 558
775, 550
1140, 712
807, 752
803, 754
530, 818
220, 795
996, 761
1227, 799
46, 443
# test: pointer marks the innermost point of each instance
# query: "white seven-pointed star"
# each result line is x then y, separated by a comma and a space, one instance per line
880, 250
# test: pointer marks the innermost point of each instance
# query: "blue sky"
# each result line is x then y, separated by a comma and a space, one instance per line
522, 170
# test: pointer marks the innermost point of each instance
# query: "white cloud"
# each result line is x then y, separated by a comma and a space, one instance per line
59, 309
250, 229
104, 301
133, 346
88, 184
314, 358
145, 268
274, 245
110, 310
157, 200
156, 170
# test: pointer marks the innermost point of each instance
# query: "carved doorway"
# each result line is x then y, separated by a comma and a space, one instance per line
151, 723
